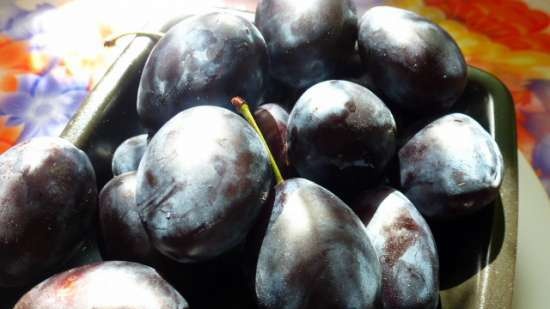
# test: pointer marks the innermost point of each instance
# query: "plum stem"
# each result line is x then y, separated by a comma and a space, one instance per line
241, 105
155, 36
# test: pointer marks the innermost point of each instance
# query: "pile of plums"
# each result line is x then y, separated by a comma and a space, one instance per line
196, 199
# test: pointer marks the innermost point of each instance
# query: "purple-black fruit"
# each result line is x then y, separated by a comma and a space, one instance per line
405, 248
452, 167
201, 183
128, 155
203, 60
48, 200
414, 62
272, 120
315, 253
114, 284
341, 136
123, 236
307, 40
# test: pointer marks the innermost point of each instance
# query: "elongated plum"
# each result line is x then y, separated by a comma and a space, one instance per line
452, 167
307, 40
341, 136
128, 154
48, 199
405, 247
411, 60
315, 253
205, 59
123, 236
114, 284
201, 183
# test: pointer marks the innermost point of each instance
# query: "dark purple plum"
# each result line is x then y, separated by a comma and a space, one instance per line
341, 136
203, 60
414, 62
113, 284
315, 253
307, 40
123, 236
405, 248
48, 200
128, 154
272, 119
452, 167
201, 183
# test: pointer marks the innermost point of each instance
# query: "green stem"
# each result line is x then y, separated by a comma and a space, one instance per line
155, 36
243, 108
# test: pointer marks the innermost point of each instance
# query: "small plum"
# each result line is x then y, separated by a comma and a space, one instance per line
123, 236
405, 247
128, 154
452, 167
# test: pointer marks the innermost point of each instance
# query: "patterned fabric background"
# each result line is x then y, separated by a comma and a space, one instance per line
52, 54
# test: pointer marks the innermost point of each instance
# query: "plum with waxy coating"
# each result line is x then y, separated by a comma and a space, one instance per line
272, 119
201, 183
48, 200
411, 60
307, 40
341, 136
123, 236
452, 167
128, 154
405, 247
315, 253
203, 60
114, 284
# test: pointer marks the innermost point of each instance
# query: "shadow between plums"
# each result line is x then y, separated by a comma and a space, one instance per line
466, 246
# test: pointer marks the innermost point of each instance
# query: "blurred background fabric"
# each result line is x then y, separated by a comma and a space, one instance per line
52, 55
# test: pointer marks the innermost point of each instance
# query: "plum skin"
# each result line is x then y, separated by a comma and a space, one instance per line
123, 236
114, 284
272, 119
405, 247
203, 60
307, 41
415, 63
451, 168
315, 253
202, 183
128, 154
341, 135
48, 201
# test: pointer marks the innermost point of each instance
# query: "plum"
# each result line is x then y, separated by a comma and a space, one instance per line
114, 284
201, 183
48, 200
414, 62
341, 136
452, 167
307, 40
405, 247
123, 236
202, 60
128, 154
272, 119
315, 253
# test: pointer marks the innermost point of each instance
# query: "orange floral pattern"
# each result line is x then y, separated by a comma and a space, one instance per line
8, 134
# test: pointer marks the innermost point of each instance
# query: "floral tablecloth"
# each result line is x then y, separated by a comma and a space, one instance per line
52, 54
